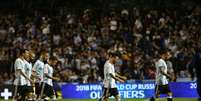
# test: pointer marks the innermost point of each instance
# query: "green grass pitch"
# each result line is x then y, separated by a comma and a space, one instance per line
176, 99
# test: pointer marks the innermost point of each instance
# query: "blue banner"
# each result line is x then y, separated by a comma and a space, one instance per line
128, 90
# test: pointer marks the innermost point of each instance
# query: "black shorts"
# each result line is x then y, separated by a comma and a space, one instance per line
48, 90
37, 88
22, 90
111, 92
29, 89
162, 89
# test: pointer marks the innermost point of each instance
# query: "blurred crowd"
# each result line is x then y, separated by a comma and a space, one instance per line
81, 40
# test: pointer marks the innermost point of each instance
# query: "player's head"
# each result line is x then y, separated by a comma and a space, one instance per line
113, 56
53, 60
168, 54
31, 56
165, 54
44, 55
25, 54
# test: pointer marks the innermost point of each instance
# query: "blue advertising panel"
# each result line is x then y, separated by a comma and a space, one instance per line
128, 90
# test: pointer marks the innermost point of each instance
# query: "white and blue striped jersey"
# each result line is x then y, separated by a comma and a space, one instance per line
48, 70
28, 71
39, 69
19, 65
109, 82
160, 78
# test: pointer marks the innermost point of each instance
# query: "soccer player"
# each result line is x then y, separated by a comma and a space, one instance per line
28, 72
110, 88
20, 76
162, 76
38, 71
48, 77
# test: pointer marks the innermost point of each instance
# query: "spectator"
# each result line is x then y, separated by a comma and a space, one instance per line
81, 39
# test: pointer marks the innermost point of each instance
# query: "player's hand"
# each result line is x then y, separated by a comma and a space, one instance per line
56, 79
32, 81
124, 78
171, 78
122, 81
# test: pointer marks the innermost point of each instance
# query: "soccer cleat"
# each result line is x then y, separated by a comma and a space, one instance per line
100, 99
152, 99
169, 99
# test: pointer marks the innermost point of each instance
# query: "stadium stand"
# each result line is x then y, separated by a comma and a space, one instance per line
81, 35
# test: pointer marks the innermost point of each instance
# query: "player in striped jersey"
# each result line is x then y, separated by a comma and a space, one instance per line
110, 88
48, 77
20, 75
162, 86
28, 72
38, 71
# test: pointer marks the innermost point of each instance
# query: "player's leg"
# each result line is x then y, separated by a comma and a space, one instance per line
153, 98
34, 92
43, 88
156, 94
48, 92
26, 93
117, 98
22, 93
106, 94
37, 90
102, 94
104, 98
168, 92
30, 93
115, 93
15, 96
169, 96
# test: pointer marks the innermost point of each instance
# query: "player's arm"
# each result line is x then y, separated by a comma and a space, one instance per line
161, 68
24, 75
34, 74
34, 70
19, 70
116, 78
50, 77
121, 77
53, 78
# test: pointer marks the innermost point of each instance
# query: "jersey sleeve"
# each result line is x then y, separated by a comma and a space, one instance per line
110, 70
161, 66
34, 66
18, 64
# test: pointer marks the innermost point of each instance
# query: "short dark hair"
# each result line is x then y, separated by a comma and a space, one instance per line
161, 52
113, 54
23, 51
53, 58
43, 52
